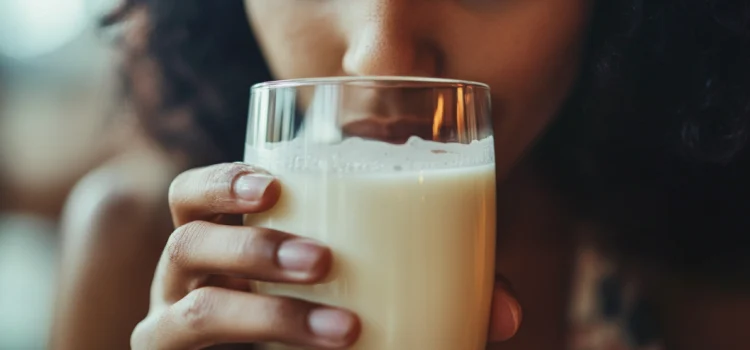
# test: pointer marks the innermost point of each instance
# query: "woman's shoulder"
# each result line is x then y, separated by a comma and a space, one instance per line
128, 190
114, 228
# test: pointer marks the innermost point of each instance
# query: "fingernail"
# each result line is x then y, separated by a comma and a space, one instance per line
299, 255
331, 324
507, 317
251, 187
515, 311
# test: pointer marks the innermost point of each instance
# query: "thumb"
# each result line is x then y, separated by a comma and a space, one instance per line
506, 313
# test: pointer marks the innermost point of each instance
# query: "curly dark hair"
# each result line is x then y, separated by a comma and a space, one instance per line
188, 68
651, 145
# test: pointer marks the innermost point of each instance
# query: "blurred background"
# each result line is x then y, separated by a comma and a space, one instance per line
59, 118
62, 115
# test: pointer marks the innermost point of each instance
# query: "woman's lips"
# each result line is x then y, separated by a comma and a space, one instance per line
391, 129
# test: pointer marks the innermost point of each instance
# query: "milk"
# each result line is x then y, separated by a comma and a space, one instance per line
412, 230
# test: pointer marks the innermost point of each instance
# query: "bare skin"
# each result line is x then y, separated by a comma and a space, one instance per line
114, 226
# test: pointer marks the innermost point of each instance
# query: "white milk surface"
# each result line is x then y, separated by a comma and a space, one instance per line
412, 229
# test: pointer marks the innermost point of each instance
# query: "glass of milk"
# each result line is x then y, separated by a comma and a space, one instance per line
397, 176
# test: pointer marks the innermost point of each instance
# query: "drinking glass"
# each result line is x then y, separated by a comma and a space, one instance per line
397, 176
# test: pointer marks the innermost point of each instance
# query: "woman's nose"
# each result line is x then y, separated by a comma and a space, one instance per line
389, 40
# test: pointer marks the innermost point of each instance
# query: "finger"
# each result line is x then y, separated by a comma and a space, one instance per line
201, 248
506, 313
203, 193
211, 316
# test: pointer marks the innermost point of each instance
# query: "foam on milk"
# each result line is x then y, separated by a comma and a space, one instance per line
357, 155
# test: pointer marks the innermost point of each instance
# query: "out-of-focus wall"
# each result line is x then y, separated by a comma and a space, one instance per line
28, 273
59, 118
59, 97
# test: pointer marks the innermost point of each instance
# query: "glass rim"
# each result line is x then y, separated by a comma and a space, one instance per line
390, 81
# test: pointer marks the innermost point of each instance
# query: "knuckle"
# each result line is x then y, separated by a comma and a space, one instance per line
227, 172
182, 240
259, 245
280, 312
197, 309
219, 180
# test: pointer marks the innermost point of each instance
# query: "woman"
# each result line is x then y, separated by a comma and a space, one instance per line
649, 102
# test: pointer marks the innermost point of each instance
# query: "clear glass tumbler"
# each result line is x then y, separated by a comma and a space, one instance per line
397, 176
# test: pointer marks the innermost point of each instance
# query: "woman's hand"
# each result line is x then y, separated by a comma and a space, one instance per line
201, 296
